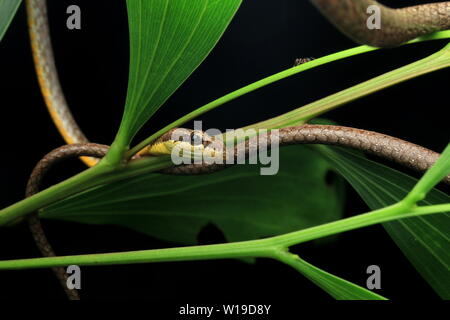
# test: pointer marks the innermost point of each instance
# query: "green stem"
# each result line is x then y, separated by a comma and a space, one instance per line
268, 248
252, 87
269, 80
256, 248
111, 169
75, 184
423, 210
249, 88
102, 173
438, 60
432, 177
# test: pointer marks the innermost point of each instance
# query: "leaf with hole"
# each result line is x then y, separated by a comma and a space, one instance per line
238, 200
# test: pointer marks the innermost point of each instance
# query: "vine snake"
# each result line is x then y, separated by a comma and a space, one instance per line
350, 16
396, 25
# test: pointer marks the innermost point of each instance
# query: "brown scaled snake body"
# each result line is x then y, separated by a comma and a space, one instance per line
350, 16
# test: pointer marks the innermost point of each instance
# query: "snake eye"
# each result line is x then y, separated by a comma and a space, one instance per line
182, 137
195, 139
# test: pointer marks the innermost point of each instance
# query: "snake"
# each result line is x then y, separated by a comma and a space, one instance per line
396, 25
349, 16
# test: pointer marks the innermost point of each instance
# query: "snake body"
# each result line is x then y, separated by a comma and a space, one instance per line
350, 16
398, 26
43, 166
400, 151
48, 78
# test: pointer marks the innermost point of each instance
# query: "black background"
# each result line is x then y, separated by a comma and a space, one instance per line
265, 37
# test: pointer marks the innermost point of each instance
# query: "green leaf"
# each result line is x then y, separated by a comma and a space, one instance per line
238, 200
338, 288
8, 9
432, 177
168, 40
424, 240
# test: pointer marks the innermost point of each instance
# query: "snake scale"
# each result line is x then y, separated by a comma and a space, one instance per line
349, 16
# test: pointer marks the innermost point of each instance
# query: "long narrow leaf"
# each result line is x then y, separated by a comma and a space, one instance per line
338, 288
424, 240
168, 40
8, 9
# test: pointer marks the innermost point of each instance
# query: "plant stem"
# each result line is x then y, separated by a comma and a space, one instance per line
100, 174
112, 162
359, 221
432, 177
111, 169
256, 248
269, 80
436, 61
268, 248
249, 88
52, 194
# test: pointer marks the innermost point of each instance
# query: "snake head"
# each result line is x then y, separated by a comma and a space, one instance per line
186, 143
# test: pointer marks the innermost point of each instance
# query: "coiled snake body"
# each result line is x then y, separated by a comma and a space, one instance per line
350, 16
